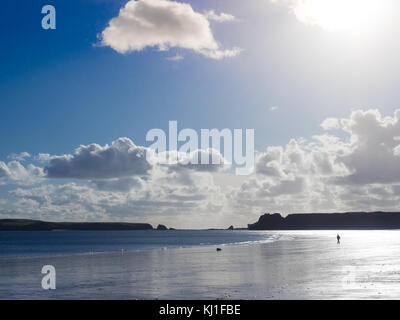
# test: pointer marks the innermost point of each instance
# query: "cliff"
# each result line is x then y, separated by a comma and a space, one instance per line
329, 221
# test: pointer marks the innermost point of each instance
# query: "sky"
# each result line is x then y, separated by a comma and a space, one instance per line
317, 80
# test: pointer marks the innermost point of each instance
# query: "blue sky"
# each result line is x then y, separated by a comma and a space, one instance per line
60, 89
63, 90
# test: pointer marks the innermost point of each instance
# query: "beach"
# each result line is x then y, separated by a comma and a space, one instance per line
298, 265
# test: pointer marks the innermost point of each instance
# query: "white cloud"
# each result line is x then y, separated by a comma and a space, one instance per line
329, 173
330, 124
119, 184
207, 160
222, 17
374, 140
357, 170
122, 158
176, 57
4, 171
14, 172
44, 157
22, 156
163, 24
163, 197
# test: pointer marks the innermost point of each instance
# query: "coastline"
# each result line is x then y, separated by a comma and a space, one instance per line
67, 242
132, 250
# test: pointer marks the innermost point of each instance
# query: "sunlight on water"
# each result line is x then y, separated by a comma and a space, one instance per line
251, 265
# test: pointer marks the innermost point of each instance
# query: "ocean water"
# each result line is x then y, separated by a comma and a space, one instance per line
252, 264
37, 243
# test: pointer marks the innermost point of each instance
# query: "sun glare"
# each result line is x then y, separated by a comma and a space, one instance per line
351, 15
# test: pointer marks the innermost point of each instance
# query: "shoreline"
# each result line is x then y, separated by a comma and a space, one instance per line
310, 265
126, 251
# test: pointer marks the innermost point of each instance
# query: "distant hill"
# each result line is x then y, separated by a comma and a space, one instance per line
328, 221
37, 225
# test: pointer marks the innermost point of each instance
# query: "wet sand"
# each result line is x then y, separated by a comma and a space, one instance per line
307, 265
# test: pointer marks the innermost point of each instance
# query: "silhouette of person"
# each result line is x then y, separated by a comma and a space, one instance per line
338, 239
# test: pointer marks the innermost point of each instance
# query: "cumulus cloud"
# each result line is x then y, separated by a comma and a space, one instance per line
118, 185
44, 157
208, 160
163, 197
356, 170
16, 173
122, 158
4, 171
164, 24
328, 173
330, 124
374, 141
67, 202
269, 163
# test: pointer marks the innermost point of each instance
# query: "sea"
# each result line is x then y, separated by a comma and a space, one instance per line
37, 243
185, 264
